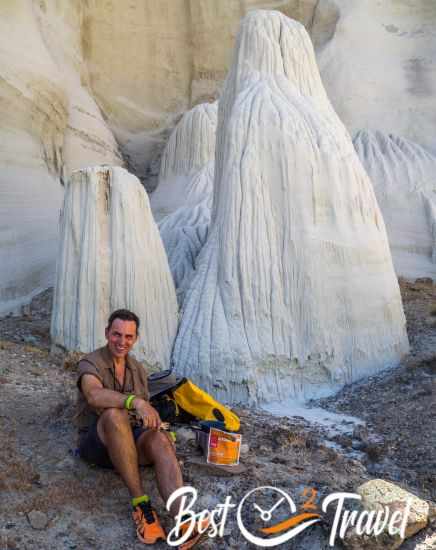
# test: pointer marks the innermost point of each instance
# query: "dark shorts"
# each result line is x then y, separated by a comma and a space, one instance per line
93, 450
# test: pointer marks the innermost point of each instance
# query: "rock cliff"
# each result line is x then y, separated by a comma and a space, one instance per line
404, 178
50, 125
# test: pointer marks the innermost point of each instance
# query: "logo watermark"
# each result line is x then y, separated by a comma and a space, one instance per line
252, 506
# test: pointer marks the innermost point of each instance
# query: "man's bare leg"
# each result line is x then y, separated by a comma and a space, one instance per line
114, 430
155, 448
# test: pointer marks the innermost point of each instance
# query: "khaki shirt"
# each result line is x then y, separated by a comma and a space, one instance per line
99, 363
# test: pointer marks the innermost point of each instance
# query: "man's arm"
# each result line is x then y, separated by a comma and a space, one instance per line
99, 397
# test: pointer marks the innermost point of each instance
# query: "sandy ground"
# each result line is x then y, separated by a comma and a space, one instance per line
83, 507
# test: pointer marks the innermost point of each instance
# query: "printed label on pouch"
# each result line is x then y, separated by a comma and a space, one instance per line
223, 448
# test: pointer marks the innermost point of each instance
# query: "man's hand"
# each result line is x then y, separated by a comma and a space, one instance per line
149, 414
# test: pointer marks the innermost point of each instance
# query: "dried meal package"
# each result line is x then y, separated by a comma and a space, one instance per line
223, 448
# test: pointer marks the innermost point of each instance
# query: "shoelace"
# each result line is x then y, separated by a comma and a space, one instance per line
147, 510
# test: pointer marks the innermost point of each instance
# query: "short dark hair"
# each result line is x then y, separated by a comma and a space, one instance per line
124, 315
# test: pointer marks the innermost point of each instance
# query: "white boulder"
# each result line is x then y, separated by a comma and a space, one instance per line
407, 515
404, 177
295, 292
110, 257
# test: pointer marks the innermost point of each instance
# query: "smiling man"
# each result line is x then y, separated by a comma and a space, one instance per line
119, 428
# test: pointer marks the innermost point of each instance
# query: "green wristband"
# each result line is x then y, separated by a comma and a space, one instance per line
128, 402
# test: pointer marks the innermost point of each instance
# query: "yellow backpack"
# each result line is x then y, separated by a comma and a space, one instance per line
201, 405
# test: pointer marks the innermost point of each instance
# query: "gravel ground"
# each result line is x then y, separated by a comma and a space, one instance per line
50, 499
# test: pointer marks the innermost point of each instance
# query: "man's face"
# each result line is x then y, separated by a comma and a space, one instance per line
121, 336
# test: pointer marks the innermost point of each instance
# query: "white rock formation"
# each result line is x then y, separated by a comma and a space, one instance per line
191, 146
404, 178
295, 292
377, 64
182, 200
49, 125
185, 231
62, 64
111, 256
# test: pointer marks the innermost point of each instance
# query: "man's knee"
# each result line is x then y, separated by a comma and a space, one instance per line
158, 445
113, 419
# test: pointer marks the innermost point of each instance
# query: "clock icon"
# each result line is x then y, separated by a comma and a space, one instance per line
253, 502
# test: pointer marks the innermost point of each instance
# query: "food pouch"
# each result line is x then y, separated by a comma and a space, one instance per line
223, 448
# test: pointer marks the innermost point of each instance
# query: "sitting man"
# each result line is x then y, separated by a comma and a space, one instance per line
120, 428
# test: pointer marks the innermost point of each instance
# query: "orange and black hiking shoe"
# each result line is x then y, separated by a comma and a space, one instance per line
148, 528
199, 533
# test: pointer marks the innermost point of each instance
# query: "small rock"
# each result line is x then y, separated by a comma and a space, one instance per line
37, 519
184, 435
357, 445
361, 432
245, 449
29, 339
66, 463
374, 450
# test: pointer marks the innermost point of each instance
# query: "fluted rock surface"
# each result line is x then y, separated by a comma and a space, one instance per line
295, 292
190, 147
111, 256
185, 230
404, 178
182, 200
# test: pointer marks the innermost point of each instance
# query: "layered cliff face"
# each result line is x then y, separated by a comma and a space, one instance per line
295, 292
34, 116
376, 61
404, 178
50, 125
181, 51
378, 66
111, 257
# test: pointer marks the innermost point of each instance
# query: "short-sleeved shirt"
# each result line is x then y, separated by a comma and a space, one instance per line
100, 364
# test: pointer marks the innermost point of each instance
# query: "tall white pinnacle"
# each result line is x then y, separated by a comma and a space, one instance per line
295, 292
110, 257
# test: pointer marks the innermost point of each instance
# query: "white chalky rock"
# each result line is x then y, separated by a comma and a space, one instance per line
49, 125
192, 142
191, 146
184, 232
295, 292
182, 200
111, 256
404, 178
